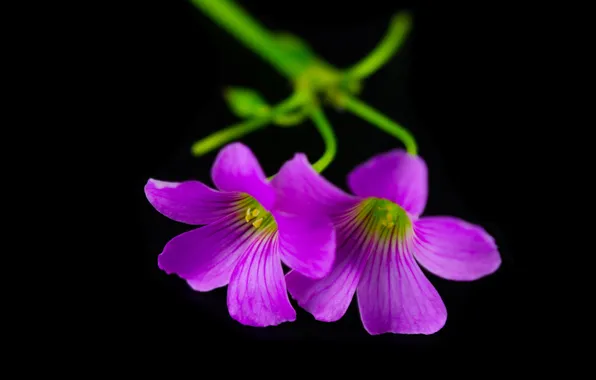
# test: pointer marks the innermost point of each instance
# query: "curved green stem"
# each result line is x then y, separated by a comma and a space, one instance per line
373, 116
241, 25
398, 29
291, 119
226, 135
326, 131
234, 132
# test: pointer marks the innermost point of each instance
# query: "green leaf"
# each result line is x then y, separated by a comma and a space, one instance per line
245, 102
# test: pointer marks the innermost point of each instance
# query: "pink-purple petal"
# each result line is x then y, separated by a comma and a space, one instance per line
257, 293
397, 176
189, 202
394, 296
237, 169
306, 243
327, 299
301, 189
454, 249
206, 256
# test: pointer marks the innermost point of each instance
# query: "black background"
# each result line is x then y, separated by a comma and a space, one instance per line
450, 85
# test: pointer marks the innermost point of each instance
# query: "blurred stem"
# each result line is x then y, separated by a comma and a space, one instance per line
236, 131
398, 30
309, 75
226, 135
251, 33
326, 131
376, 118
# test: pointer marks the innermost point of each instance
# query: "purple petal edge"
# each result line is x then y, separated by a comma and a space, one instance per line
190, 202
454, 249
237, 169
395, 175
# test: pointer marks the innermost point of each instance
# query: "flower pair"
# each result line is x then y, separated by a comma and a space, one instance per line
336, 244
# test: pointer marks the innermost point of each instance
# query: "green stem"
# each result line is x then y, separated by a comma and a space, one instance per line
242, 26
393, 40
374, 117
234, 132
326, 131
226, 135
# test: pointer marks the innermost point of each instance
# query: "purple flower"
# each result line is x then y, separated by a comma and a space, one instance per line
380, 239
244, 239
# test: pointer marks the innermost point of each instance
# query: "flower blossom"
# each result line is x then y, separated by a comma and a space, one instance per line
244, 238
381, 239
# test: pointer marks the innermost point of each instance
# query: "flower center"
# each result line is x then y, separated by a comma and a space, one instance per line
385, 213
256, 214
380, 216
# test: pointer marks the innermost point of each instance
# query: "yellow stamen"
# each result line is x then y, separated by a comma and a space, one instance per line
389, 216
257, 222
256, 212
248, 217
